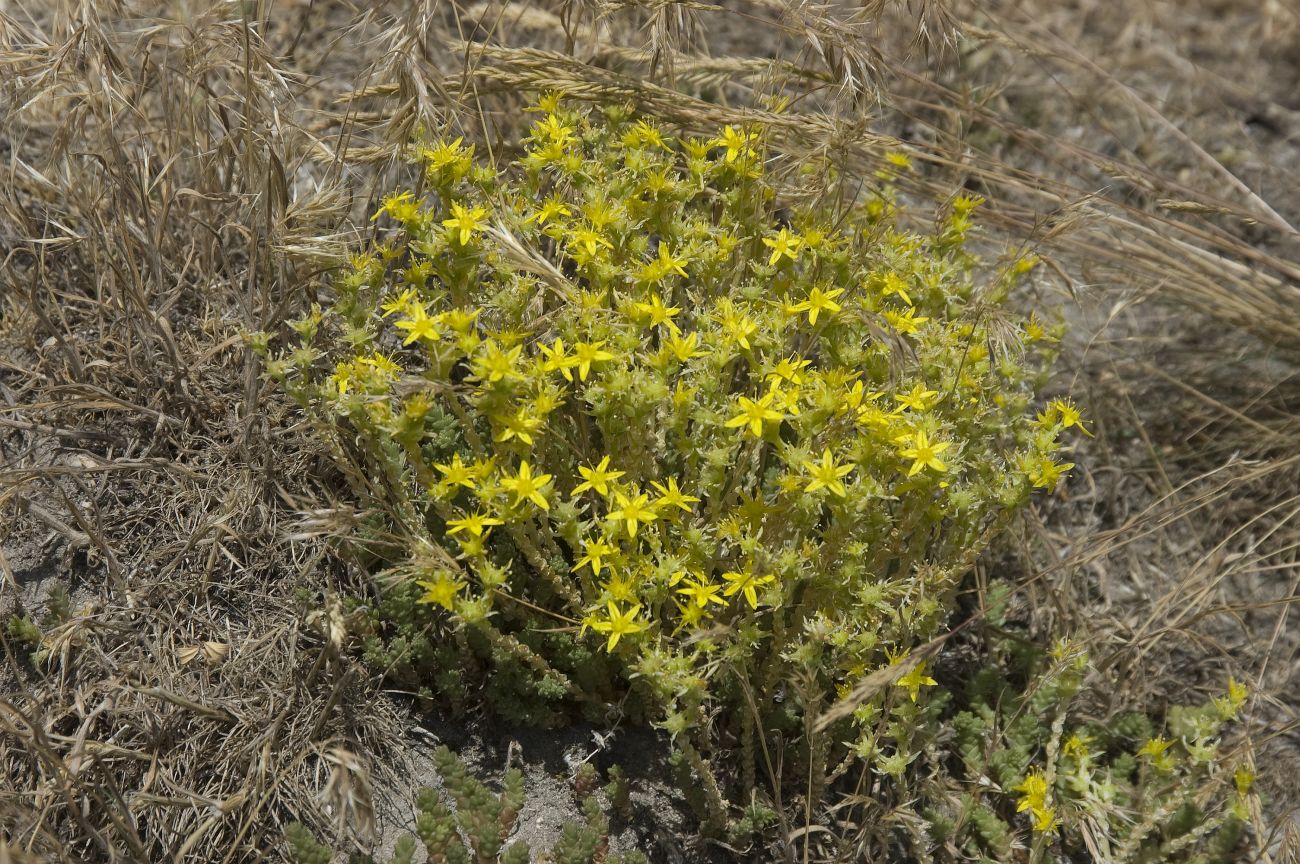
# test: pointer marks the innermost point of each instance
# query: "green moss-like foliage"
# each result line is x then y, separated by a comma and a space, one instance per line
476, 828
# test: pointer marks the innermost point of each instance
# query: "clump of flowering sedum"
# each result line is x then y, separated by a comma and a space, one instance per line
1178, 795
632, 429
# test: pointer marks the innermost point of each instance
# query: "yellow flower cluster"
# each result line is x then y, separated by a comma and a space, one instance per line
1034, 799
610, 393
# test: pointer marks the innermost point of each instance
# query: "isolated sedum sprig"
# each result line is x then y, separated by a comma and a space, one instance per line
480, 828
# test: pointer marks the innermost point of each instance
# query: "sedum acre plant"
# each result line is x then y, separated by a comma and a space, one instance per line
635, 436
1122, 789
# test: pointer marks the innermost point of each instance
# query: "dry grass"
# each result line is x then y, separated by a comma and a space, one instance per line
179, 172
156, 167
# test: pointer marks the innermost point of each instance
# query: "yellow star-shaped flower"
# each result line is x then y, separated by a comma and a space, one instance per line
597, 551
701, 593
905, 322
441, 592
586, 353
918, 399
753, 414
827, 475
618, 624
736, 143
924, 453
464, 223
656, 313
475, 523
597, 478
685, 347
819, 301
418, 325
895, 284
552, 208
784, 245
671, 496
527, 486
1069, 414
915, 679
746, 583
633, 512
